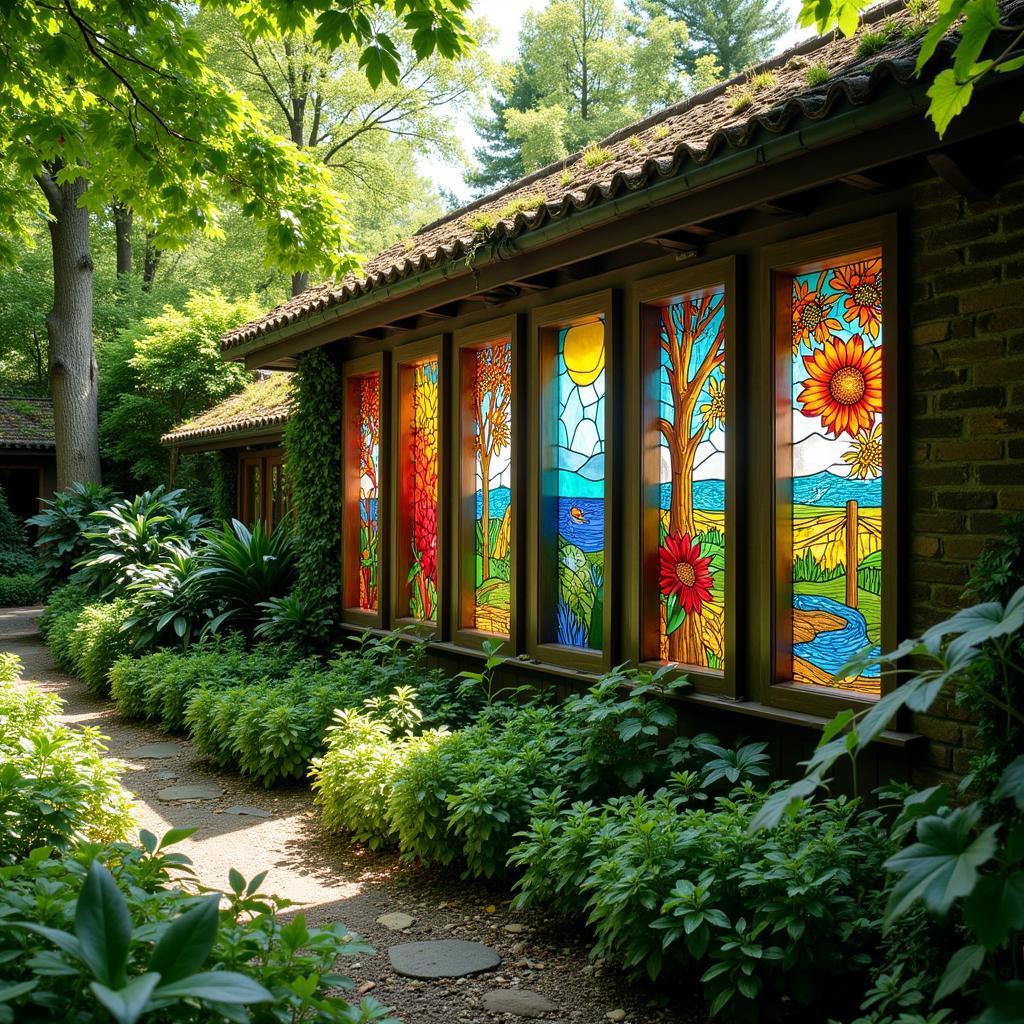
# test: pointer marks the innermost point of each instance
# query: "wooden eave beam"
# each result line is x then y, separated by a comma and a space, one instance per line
962, 173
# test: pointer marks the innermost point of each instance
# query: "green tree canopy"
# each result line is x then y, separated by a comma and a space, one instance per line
736, 34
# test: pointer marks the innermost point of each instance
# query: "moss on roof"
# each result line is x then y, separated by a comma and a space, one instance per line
26, 422
263, 403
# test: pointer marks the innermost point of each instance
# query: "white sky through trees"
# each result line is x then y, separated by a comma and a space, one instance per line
506, 16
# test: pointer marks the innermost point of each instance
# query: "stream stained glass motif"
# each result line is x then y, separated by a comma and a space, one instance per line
490, 395
691, 421
423, 455
837, 340
580, 475
368, 425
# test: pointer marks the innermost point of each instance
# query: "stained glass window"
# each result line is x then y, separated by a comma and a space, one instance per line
420, 480
837, 355
692, 438
580, 479
368, 427
489, 392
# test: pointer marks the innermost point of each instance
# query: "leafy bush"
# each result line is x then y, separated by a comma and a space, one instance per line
107, 934
17, 562
136, 532
62, 525
97, 640
352, 781
59, 619
293, 619
56, 786
19, 591
169, 610
12, 529
241, 569
760, 919
967, 862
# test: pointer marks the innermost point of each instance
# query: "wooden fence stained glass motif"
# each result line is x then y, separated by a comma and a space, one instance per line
423, 487
837, 470
368, 425
580, 475
490, 395
692, 428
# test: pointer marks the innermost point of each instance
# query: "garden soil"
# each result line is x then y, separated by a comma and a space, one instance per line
333, 880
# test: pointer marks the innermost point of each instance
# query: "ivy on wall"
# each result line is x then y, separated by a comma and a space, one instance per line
312, 444
225, 484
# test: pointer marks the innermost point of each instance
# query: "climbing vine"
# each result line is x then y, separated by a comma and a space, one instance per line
313, 465
225, 484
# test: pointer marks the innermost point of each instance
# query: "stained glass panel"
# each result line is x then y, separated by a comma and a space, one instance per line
368, 427
490, 395
837, 413
691, 419
580, 476
423, 453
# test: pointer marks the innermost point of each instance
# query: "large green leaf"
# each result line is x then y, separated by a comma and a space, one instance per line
962, 964
1011, 784
218, 987
103, 926
996, 908
1005, 1003
187, 941
128, 1003
981, 19
943, 864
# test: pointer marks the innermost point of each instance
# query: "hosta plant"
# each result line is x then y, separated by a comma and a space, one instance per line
61, 528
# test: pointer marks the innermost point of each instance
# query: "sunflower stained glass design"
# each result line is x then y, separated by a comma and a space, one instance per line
490, 397
692, 435
837, 414
580, 476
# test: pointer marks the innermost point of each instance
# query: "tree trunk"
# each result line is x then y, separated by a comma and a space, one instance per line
300, 282
123, 234
73, 375
150, 262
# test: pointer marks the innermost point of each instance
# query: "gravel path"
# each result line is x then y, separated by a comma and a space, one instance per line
334, 880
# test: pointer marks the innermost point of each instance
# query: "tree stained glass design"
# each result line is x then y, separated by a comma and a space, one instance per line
490, 394
580, 475
837, 412
691, 423
423, 453
369, 462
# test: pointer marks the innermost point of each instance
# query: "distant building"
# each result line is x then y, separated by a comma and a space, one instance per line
28, 453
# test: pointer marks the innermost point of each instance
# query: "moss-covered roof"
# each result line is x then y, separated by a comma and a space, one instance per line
26, 423
262, 404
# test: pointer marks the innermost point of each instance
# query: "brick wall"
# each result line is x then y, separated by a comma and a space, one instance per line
966, 396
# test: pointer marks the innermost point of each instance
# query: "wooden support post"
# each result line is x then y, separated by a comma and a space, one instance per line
851, 554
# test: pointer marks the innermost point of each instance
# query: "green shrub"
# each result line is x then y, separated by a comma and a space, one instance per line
12, 529
669, 887
19, 591
58, 621
10, 667
353, 779
97, 640
169, 609
61, 539
240, 569
113, 936
292, 619
19, 562
56, 786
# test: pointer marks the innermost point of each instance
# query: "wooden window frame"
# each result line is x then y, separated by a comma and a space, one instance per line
646, 297
777, 266
544, 321
352, 614
463, 492
264, 459
404, 356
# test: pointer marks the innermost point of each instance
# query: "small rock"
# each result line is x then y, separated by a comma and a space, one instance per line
252, 812
520, 1002
396, 922
514, 929
167, 776
616, 1015
366, 986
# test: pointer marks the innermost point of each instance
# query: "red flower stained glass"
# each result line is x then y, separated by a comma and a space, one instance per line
684, 573
423, 571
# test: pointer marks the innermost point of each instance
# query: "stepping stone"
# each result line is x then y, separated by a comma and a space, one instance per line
444, 958
154, 751
252, 812
517, 1001
196, 792
396, 922
167, 776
